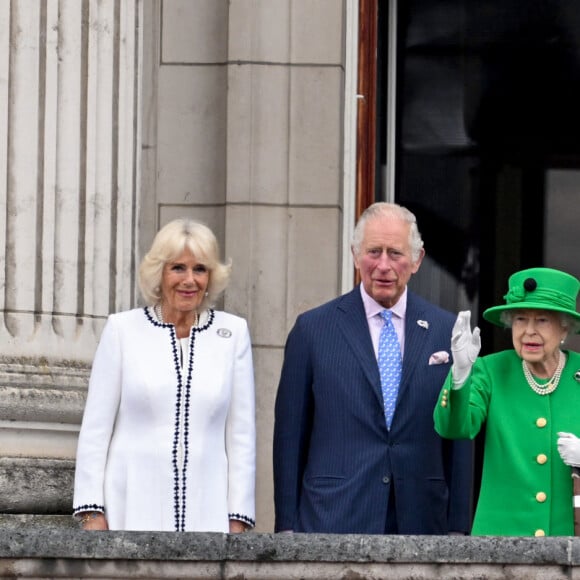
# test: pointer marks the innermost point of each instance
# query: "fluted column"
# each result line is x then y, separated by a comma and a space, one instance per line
68, 158
69, 143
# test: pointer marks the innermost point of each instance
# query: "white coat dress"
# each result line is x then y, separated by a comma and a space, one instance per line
168, 444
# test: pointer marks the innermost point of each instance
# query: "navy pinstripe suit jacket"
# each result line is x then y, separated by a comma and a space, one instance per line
334, 459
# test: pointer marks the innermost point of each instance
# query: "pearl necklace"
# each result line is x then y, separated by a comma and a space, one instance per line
159, 313
552, 384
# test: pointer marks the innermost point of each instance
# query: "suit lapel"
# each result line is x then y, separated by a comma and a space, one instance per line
353, 324
414, 340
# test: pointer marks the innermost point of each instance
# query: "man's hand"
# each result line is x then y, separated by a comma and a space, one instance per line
569, 449
465, 346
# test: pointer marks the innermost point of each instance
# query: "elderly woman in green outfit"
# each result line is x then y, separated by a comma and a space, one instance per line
528, 398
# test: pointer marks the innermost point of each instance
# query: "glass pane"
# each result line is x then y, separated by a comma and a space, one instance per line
487, 147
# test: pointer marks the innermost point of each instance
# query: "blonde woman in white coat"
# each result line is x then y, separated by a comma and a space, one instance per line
167, 440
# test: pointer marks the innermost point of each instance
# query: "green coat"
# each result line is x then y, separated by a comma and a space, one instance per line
526, 488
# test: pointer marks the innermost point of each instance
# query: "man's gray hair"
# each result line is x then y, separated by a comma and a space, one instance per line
392, 210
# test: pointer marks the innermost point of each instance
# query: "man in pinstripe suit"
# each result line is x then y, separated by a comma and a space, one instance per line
338, 468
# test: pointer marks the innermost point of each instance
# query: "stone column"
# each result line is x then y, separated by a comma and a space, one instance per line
69, 136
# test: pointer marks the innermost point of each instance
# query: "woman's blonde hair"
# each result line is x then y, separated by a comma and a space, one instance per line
169, 243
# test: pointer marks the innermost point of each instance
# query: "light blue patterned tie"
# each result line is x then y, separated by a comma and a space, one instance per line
390, 365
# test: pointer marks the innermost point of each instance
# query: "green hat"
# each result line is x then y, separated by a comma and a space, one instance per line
541, 288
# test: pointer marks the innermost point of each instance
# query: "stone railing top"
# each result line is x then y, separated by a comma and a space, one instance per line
38, 542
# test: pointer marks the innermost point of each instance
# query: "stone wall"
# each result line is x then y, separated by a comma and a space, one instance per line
29, 549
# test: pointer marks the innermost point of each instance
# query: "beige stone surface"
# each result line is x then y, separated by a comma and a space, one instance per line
315, 138
194, 31
284, 31
256, 240
258, 162
284, 262
318, 30
267, 364
284, 133
211, 215
314, 248
191, 162
260, 31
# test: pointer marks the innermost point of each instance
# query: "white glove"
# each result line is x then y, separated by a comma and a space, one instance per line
569, 449
465, 347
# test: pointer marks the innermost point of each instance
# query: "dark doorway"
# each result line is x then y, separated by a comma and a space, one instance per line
487, 147
487, 125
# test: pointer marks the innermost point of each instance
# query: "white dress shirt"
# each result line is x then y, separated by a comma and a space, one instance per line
373, 311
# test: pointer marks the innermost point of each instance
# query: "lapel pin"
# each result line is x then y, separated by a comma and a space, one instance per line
423, 323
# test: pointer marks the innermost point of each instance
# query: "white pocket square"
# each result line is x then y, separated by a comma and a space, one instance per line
439, 358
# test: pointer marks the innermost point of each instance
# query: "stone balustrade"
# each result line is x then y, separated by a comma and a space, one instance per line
37, 547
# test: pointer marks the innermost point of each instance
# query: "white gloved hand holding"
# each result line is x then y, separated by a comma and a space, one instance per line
569, 448
465, 346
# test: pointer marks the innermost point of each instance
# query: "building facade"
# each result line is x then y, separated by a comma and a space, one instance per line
118, 116
257, 117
